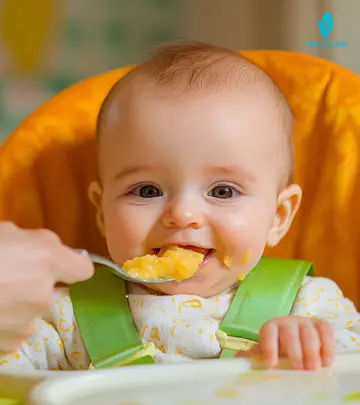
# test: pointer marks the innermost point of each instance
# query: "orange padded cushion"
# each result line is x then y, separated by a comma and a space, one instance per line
48, 162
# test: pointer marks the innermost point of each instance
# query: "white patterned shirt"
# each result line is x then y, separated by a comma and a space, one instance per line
182, 327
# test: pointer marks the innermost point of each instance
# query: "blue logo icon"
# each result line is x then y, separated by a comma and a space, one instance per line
326, 25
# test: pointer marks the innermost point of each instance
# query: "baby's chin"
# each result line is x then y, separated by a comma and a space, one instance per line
182, 288
202, 286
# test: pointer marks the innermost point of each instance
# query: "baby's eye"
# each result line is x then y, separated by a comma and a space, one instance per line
147, 191
223, 192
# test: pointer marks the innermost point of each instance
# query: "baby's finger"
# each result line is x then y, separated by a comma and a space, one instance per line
290, 344
310, 343
269, 343
327, 339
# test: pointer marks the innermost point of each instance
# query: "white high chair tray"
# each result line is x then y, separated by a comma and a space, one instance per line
209, 382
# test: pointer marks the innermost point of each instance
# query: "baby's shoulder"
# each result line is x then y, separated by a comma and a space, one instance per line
320, 282
321, 287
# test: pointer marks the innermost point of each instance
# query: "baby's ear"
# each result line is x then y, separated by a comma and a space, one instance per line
95, 195
288, 205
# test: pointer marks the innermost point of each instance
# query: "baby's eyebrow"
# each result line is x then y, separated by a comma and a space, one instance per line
130, 170
238, 170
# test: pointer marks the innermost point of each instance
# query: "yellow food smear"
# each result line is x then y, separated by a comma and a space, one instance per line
229, 260
227, 392
175, 262
246, 257
352, 397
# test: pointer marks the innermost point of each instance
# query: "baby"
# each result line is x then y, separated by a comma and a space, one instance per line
195, 150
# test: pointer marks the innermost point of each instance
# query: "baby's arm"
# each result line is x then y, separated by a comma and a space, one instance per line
322, 323
56, 343
321, 298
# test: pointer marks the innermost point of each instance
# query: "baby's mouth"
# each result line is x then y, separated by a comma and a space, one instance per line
175, 262
204, 251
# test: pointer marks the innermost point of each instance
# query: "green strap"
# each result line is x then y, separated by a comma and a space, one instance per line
267, 292
105, 322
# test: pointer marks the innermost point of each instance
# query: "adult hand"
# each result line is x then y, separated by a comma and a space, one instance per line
31, 263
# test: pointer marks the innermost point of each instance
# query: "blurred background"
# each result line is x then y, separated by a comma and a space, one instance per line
47, 45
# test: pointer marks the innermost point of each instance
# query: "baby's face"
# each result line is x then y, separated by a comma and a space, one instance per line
201, 172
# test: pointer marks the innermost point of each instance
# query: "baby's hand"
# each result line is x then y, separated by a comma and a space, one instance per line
308, 343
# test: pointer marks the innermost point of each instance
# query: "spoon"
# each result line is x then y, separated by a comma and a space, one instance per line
117, 270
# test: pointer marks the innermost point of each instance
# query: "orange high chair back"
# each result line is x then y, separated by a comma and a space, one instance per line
48, 162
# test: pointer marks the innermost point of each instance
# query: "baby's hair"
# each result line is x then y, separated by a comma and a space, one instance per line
194, 68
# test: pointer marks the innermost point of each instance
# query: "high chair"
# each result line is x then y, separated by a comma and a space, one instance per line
47, 163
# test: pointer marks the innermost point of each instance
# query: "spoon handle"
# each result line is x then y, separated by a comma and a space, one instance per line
97, 259
117, 270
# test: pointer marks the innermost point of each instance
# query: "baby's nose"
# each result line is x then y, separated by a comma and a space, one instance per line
182, 214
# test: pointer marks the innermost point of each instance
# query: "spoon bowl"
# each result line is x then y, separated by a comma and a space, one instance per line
117, 270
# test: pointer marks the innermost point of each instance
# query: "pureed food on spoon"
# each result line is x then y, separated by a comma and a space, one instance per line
173, 262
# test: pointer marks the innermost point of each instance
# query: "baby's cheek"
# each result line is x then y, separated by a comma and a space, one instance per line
243, 249
236, 233
241, 267
125, 234
246, 256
